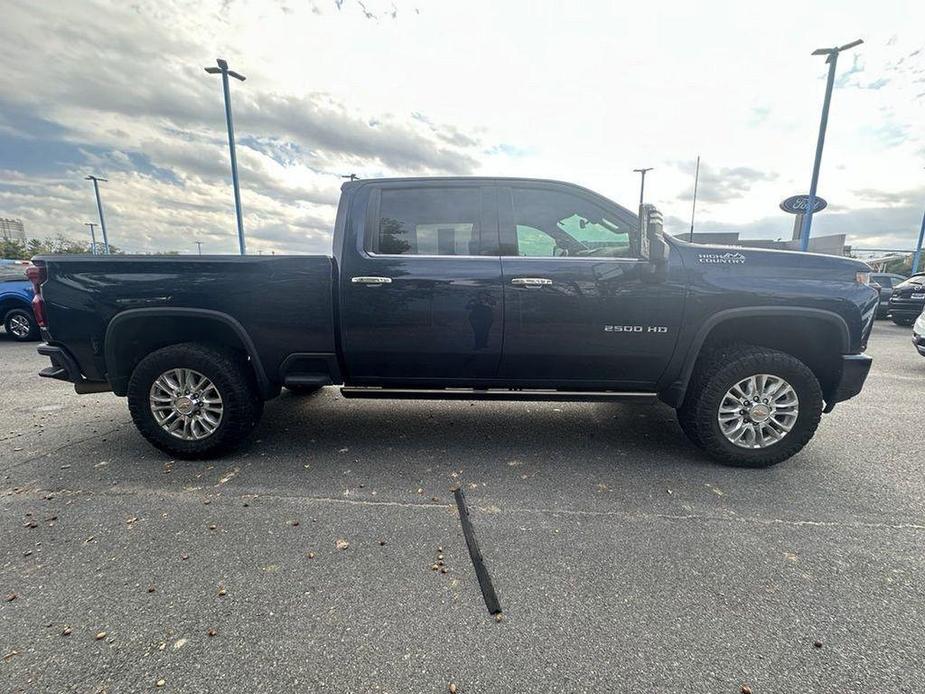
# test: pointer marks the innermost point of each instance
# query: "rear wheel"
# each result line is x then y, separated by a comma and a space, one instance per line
21, 325
193, 400
751, 406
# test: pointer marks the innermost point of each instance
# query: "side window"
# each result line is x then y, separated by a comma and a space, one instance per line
428, 221
553, 223
12, 271
534, 243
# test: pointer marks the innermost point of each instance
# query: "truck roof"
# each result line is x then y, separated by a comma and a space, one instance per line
351, 185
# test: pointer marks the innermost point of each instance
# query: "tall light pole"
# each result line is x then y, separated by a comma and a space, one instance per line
642, 183
832, 59
199, 246
92, 236
694, 204
918, 247
225, 73
99, 206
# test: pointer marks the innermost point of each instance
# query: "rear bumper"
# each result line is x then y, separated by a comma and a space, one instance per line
64, 368
855, 368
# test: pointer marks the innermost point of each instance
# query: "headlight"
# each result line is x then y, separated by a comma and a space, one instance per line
862, 278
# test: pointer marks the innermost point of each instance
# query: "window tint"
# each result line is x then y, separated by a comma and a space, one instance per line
555, 224
884, 281
428, 221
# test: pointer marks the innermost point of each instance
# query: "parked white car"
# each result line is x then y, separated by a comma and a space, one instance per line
918, 333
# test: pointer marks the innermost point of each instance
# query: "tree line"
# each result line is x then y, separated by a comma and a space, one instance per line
14, 249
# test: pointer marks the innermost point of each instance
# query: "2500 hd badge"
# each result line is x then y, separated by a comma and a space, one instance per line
635, 329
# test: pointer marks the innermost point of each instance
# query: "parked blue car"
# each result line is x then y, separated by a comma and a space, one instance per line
16, 301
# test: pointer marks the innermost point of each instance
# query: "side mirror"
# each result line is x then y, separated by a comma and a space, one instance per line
652, 235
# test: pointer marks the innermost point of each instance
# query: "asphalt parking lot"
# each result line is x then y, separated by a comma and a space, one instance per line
623, 559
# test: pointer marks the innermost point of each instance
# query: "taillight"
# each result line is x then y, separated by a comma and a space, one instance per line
37, 274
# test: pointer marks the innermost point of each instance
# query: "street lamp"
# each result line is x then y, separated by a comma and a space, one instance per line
642, 183
92, 236
99, 206
199, 246
694, 203
225, 73
918, 248
832, 59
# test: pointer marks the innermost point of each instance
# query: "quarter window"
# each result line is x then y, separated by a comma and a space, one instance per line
555, 224
428, 221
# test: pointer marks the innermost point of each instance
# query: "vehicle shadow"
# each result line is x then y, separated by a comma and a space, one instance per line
564, 434
6, 337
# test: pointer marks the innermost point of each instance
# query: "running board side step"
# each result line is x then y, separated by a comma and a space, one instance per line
536, 395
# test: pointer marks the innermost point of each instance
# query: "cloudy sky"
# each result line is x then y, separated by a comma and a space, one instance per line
580, 91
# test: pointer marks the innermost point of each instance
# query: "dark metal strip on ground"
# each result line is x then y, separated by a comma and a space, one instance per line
488, 590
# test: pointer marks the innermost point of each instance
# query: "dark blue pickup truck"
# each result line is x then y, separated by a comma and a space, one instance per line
482, 288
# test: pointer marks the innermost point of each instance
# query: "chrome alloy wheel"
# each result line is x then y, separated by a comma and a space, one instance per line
186, 404
758, 411
19, 325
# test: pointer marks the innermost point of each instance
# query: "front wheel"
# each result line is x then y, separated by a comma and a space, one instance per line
21, 326
751, 406
903, 320
193, 401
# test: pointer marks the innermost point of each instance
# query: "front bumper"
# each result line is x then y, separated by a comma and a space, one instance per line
905, 308
64, 368
919, 342
854, 370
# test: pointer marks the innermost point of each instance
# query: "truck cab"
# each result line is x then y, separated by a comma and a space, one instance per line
501, 283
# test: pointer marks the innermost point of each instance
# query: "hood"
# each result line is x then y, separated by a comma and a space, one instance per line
913, 285
761, 261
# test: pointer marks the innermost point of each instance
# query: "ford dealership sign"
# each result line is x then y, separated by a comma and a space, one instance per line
797, 204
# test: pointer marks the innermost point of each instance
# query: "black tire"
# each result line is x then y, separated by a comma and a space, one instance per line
232, 377
902, 320
303, 390
721, 369
16, 320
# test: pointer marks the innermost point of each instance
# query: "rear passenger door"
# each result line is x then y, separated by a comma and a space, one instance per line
422, 300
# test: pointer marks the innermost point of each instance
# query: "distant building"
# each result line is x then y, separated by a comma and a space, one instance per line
12, 230
830, 245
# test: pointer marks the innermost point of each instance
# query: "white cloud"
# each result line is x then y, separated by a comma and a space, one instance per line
581, 91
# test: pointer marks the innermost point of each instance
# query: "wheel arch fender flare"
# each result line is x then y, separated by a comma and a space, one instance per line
674, 391
118, 371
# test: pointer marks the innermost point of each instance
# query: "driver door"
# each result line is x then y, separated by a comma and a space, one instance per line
582, 309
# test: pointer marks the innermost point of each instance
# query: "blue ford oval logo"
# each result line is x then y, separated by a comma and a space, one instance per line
798, 204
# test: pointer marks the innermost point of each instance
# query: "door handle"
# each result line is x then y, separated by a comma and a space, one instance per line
371, 280
531, 281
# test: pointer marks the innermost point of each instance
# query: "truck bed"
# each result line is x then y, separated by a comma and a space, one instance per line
283, 303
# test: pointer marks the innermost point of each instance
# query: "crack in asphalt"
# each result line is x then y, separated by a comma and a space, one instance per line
724, 519
496, 510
